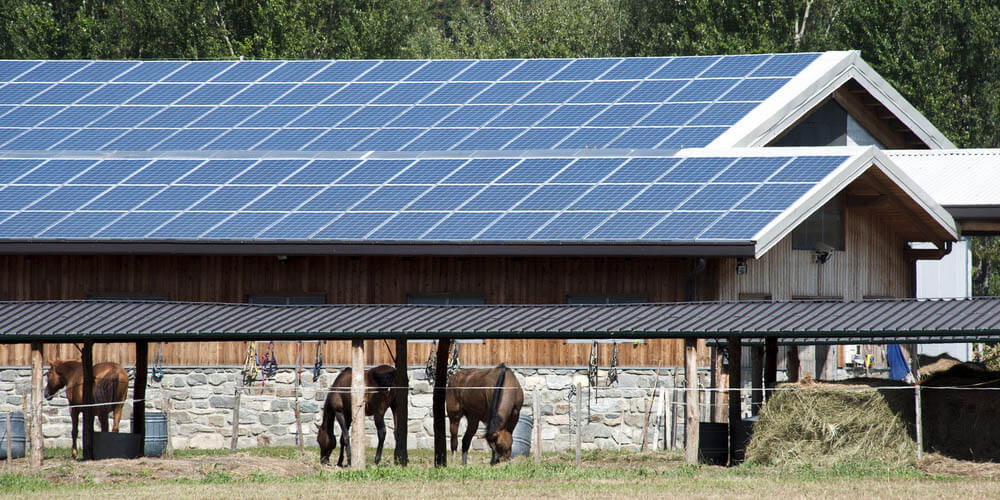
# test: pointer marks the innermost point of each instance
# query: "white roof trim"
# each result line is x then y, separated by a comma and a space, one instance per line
835, 182
811, 87
954, 177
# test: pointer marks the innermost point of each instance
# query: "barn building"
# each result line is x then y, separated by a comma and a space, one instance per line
456, 182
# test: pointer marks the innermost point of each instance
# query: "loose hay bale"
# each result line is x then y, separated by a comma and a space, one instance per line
821, 424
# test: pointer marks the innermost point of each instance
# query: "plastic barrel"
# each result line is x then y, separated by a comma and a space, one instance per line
522, 436
713, 443
156, 434
18, 441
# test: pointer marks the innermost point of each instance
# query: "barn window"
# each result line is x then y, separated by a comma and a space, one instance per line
826, 226
604, 299
447, 300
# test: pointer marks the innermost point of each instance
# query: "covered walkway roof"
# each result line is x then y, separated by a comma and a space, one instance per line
867, 321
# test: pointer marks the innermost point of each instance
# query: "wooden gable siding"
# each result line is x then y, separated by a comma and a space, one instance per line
873, 264
352, 280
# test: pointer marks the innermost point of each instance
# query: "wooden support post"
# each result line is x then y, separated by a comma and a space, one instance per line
649, 408
236, 418
692, 420
299, 438
919, 421
536, 415
579, 422
717, 407
756, 378
37, 388
440, 388
792, 368
400, 414
358, 443
88, 400
139, 394
770, 365
735, 400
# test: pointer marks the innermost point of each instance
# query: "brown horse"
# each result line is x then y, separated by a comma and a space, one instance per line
379, 397
110, 386
495, 398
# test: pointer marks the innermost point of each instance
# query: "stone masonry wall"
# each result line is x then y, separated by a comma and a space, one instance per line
202, 401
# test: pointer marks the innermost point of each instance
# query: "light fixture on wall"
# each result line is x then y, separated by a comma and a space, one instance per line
823, 252
741, 265
282, 258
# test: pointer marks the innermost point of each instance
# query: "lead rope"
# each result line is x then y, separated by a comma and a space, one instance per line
270, 364
454, 366
318, 364
250, 366
613, 369
592, 374
157, 370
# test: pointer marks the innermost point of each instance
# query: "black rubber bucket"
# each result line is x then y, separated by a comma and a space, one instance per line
156, 434
116, 445
18, 440
713, 443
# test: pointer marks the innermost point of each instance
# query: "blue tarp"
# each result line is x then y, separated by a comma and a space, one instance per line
898, 368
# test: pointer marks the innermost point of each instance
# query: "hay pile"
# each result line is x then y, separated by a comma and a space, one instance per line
823, 424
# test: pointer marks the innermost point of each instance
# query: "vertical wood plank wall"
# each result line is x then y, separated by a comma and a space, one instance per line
355, 280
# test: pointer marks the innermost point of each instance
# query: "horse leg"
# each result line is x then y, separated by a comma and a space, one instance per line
380, 430
75, 416
103, 420
345, 441
117, 418
470, 432
454, 421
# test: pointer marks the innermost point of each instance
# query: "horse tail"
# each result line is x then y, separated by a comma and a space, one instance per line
106, 390
494, 423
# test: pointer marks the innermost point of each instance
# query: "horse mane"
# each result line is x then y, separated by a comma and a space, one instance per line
494, 422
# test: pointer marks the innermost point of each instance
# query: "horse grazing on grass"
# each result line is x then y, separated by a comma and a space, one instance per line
110, 386
499, 405
379, 396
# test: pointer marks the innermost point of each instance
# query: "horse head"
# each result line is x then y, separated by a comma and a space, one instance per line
501, 442
327, 443
54, 380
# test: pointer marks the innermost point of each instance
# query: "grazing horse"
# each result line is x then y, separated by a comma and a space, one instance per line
110, 386
499, 406
379, 396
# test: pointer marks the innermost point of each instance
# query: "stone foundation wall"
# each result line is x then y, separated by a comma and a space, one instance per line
202, 401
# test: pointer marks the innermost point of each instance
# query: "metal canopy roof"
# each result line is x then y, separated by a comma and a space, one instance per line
871, 321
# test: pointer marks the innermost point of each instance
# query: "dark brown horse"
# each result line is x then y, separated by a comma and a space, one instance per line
379, 396
110, 386
495, 397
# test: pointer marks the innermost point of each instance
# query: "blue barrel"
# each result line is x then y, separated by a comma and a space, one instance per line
18, 439
156, 434
522, 436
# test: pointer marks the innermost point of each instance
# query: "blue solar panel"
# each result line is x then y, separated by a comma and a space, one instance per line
438, 139
247, 71
241, 226
339, 139
422, 116
10, 170
225, 117
662, 197
297, 226
189, 139
113, 94
471, 116
352, 226
685, 67
534, 170
357, 93
672, 115
101, 71
277, 116
642, 138
165, 93
603, 92
503, 93
109, 172
68, 198
9, 70
177, 198
445, 197
88, 139
80, 225
189, 225
324, 116
135, 225
427, 171
18, 197
572, 115
552, 92
50, 172
621, 115
337, 198
461, 226
586, 69
589, 170
27, 116
521, 116
541, 138
198, 71
785, 64
774, 196
455, 93
570, 226
322, 171
7, 134
480, 171
626, 225
487, 70
373, 116
150, 71
19, 93
591, 138
230, 198
653, 91
374, 171
498, 198
240, 139
439, 71
718, 197
261, 94
406, 93
753, 169
552, 197
516, 226
66, 93
754, 90
635, 68
38, 139
388, 71
697, 169
489, 139
212, 94
217, 171
76, 117
703, 90
607, 197
735, 66
682, 226
808, 169
127, 116
52, 71
724, 113
295, 71
310, 93
692, 137
269, 172
536, 69
163, 171
739, 225
289, 139
390, 198
283, 199
29, 224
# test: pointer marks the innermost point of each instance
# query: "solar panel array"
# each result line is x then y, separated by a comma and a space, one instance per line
403, 105
515, 198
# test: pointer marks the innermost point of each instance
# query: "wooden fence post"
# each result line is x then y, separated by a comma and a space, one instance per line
400, 413
536, 413
37, 445
579, 421
691, 423
236, 418
358, 444
919, 421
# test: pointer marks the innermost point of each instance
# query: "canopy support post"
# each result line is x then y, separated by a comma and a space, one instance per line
139, 394
87, 355
770, 366
358, 444
440, 388
735, 399
691, 400
400, 414
37, 389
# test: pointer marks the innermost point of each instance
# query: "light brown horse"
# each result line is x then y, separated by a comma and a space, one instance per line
379, 396
495, 397
110, 386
